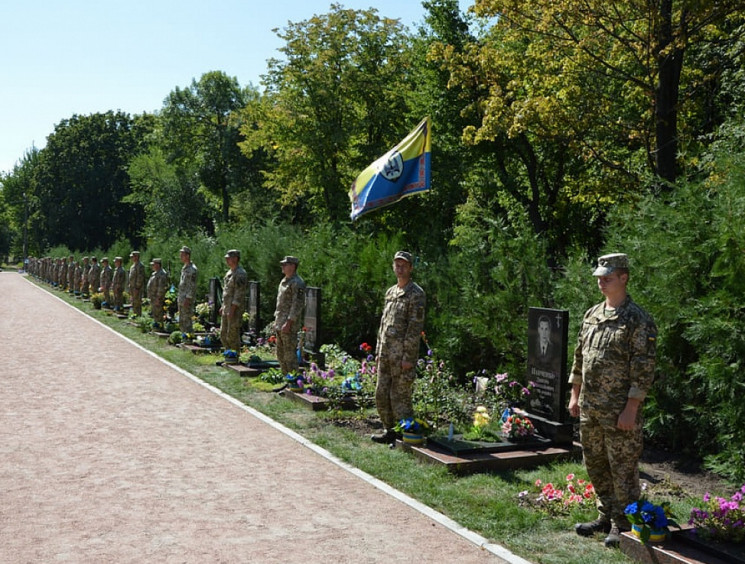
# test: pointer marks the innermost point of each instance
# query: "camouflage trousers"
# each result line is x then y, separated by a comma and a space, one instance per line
185, 314
287, 351
136, 297
156, 310
230, 330
118, 299
611, 457
393, 392
107, 296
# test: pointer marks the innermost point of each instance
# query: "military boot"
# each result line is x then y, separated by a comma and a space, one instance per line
386, 437
614, 535
599, 525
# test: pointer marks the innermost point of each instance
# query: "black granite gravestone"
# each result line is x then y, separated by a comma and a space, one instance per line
547, 369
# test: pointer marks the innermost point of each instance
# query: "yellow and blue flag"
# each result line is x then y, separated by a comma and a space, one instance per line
404, 170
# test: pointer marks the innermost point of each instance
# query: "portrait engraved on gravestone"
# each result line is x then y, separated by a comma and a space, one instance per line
547, 359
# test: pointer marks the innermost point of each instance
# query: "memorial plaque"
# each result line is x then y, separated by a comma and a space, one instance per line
312, 321
252, 307
547, 362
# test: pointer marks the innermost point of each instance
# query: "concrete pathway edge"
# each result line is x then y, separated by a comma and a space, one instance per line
436, 516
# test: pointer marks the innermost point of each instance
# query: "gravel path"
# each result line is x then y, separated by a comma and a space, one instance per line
107, 454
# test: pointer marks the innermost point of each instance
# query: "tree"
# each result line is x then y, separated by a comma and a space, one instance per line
82, 178
19, 195
638, 44
201, 130
332, 106
532, 134
170, 196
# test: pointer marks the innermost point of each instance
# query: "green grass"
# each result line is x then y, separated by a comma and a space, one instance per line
484, 503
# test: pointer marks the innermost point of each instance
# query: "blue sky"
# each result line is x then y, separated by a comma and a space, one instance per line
60, 58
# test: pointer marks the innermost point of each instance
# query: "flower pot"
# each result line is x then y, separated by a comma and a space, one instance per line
413, 438
654, 535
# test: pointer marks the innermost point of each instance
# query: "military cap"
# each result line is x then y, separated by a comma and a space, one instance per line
290, 260
118, 259
105, 259
607, 264
185, 249
233, 253
403, 255
94, 259
134, 254
156, 261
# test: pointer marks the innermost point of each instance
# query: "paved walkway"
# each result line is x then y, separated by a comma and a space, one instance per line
108, 454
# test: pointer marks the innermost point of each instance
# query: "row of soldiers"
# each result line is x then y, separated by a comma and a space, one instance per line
88, 276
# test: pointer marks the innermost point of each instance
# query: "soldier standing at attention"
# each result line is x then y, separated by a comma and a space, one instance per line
234, 288
613, 370
106, 276
187, 291
398, 347
94, 275
136, 282
71, 274
118, 282
84, 282
78, 278
290, 302
157, 287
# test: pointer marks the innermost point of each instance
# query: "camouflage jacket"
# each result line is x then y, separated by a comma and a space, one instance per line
136, 277
614, 359
402, 323
119, 279
106, 274
234, 288
157, 286
187, 286
290, 301
94, 276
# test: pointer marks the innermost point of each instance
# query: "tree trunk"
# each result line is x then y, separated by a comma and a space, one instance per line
669, 66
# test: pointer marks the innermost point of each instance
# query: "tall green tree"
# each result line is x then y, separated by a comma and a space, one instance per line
201, 130
20, 233
332, 105
170, 196
82, 177
637, 44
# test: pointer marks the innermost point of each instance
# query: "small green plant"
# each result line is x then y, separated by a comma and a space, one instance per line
97, 300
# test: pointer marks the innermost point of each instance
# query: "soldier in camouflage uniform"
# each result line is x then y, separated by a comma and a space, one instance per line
106, 276
94, 275
157, 287
187, 291
290, 302
398, 348
78, 277
118, 281
84, 281
613, 370
70, 275
136, 282
234, 288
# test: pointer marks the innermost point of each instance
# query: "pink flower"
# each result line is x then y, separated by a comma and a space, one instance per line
570, 477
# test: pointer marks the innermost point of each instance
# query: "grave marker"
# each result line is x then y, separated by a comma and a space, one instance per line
312, 322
